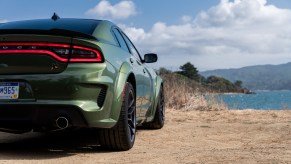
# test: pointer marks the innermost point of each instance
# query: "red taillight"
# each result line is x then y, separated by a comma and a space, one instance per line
61, 52
83, 54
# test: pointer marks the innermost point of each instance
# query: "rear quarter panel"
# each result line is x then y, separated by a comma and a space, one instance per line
119, 59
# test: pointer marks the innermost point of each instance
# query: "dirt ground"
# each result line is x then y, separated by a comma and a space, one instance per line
188, 137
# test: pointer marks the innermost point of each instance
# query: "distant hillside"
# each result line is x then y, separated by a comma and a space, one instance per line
262, 77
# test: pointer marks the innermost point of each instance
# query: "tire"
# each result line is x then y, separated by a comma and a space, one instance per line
122, 136
159, 119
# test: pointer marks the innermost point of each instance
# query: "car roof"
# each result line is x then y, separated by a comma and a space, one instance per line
85, 26
75, 27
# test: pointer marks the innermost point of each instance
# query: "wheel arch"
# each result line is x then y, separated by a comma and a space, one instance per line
131, 79
125, 75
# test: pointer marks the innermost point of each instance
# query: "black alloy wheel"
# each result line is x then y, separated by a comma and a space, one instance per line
159, 119
122, 136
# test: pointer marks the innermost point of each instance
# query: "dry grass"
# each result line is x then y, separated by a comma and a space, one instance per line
183, 93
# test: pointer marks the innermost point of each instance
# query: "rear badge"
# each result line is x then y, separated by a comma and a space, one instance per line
54, 66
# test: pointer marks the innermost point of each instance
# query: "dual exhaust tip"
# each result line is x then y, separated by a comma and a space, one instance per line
62, 122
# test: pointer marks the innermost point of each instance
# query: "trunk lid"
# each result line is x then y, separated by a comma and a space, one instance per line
33, 54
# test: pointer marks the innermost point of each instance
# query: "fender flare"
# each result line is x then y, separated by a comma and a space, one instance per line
123, 75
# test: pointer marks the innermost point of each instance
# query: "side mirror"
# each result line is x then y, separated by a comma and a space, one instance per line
150, 58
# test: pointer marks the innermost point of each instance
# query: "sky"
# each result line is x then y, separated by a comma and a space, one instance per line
211, 34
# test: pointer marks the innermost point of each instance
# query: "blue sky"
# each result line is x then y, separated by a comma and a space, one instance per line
148, 11
211, 34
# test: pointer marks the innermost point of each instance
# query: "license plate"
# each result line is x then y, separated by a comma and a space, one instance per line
9, 91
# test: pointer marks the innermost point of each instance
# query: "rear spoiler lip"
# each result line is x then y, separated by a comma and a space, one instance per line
54, 31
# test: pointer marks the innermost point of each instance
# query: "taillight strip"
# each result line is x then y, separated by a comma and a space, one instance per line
98, 58
38, 52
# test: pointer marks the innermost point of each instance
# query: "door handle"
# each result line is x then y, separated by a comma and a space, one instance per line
144, 71
131, 60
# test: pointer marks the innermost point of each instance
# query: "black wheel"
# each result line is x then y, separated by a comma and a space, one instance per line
159, 119
122, 135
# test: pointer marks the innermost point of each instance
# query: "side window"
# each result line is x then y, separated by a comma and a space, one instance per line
131, 47
120, 39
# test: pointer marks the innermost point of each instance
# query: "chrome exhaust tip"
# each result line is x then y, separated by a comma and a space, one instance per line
62, 122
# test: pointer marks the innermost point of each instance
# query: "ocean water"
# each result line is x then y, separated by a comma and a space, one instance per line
262, 100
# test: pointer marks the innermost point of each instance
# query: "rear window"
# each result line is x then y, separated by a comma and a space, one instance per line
86, 26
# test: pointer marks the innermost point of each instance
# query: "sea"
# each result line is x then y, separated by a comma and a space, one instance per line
262, 100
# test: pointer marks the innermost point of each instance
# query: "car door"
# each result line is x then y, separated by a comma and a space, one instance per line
146, 83
137, 68
148, 91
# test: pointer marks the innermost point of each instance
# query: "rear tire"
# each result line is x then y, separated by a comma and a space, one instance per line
159, 119
122, 135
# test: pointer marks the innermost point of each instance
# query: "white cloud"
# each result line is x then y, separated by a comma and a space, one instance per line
3, 20
232, 34
121, 10
186, 19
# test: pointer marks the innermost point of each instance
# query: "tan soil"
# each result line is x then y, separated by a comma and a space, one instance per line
188, 137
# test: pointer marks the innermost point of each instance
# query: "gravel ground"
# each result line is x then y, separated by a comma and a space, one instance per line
246, 136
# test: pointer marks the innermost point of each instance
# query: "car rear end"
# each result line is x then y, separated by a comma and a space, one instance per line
50, 81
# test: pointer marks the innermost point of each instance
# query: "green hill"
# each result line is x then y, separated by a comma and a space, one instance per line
261, 77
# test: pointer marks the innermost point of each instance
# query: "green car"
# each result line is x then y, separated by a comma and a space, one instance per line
58, 74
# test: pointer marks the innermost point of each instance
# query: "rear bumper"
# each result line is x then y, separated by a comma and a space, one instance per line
42, 117
83, 94
38, 117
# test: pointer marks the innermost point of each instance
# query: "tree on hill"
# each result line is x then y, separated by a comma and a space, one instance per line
212, 83
238, 83
223, 85
190, 71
